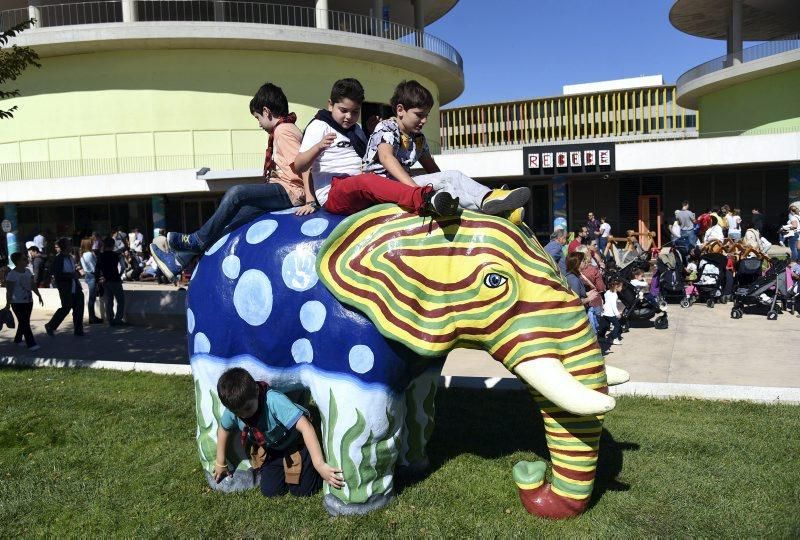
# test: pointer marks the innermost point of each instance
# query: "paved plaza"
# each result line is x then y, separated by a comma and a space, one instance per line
702, 346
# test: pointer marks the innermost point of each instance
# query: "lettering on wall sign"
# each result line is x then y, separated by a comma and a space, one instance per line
568, 159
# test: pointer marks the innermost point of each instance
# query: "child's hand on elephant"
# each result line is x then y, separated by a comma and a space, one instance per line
220, 472
331, 475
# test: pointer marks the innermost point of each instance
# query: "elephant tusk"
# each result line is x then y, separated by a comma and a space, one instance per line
548, 377
615, 375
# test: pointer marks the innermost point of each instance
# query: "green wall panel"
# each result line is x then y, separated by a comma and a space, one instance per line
766, 104
157, 109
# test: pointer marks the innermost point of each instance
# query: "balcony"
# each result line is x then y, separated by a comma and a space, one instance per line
640, 114
108, 25
771, 57
114, 11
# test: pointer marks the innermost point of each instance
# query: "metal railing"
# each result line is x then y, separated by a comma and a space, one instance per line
111, 11
624, 115
756, 52
63, 168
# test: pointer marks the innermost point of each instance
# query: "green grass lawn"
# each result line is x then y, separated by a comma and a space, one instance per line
93, 452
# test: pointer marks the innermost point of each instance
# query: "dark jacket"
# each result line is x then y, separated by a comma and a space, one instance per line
108, 266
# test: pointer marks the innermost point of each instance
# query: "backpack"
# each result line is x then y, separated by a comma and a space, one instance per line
670, 281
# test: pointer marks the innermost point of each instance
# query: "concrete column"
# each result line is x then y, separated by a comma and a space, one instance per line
377, 13
159, 213
129, 11
35, 13
419, 21
559, 203
322, 13
735, 32
219, 11
10, 210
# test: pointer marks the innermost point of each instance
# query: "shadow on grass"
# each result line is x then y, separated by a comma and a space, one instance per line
497, 424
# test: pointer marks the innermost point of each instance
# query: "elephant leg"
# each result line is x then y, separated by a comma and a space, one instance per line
420, 398
573, 442
360, 433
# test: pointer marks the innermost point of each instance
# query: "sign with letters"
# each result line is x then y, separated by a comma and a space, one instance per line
568, 159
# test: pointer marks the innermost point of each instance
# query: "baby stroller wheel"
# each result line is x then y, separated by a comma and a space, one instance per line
772, 315
710, 303
685, 303
736, 313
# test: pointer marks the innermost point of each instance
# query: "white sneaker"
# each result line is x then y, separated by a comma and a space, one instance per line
616, 341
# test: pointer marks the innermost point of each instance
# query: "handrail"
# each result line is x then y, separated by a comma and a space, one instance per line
750, 54
625, 114
235, 11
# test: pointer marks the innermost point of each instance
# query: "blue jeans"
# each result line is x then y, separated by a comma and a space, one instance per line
690, 236
602, 242
791, 243
240, 205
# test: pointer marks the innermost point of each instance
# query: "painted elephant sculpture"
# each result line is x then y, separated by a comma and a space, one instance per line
361, 311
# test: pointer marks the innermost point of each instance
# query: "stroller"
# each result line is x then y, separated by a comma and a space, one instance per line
712, 277
669, 275
753, 289
637, 306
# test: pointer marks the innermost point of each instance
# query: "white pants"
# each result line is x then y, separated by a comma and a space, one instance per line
469, 192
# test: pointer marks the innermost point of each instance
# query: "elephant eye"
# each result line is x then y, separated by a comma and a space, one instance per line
494, 280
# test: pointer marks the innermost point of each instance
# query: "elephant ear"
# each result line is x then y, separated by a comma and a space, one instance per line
366, 262
422, 282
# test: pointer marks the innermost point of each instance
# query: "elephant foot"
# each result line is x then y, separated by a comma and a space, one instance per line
336, 507
414, 470
537, 496
240, 480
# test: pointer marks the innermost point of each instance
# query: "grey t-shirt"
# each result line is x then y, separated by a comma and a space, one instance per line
685, 219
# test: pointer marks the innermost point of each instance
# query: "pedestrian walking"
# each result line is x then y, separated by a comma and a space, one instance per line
109, 275
19, 288
66, 275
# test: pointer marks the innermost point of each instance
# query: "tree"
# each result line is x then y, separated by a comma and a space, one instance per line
13, 61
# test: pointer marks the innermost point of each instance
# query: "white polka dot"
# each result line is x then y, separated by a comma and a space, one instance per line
218, 244
298, 269
284, 212
189, 320
201, 343
312, 315
252, 297
361, 359
314, 227
260, 231
231, 266
302, 352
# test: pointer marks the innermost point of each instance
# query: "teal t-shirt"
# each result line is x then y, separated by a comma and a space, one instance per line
279, 408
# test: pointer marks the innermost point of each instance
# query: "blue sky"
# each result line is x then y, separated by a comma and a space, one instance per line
531, 48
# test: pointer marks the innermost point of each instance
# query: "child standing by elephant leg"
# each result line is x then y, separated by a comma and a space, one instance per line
270, 421
398, 143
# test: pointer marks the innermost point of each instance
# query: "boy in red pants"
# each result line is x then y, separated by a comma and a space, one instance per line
333, 147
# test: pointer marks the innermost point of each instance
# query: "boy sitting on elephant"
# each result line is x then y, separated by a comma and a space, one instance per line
332, 148
283, 186
285, 445
397, 144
